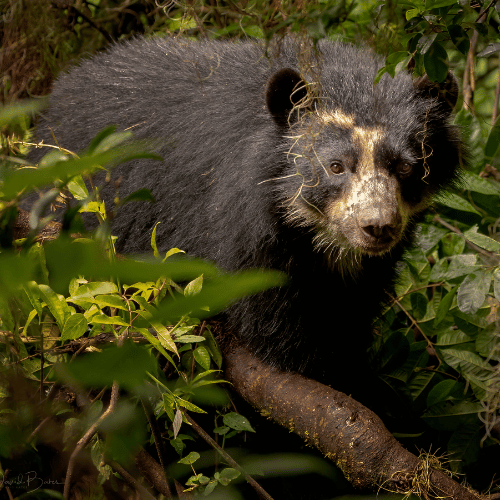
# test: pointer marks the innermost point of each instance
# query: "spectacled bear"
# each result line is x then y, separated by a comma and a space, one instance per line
295, 162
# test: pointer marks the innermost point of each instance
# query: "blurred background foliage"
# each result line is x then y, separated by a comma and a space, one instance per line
436, 349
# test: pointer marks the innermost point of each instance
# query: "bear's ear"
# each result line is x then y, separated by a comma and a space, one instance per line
445, 92
285, 89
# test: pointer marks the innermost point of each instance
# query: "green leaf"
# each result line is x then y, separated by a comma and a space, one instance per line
227, 475
202, 357
454, 201
444, 306
425, 42
15, 110
453, 337
473, 290
482, 240
411, 13
221, 292
449, 415
111, 301
190, 459
442, 391
78, 188
186, 339
493, 141
459, 38
435, 62
213, 347
143, 194
237, 422
189, 406
194, 287
464, 445
102, 319
74, 327
129, 365
153, 241
56, 304
488, 343
472, 182
436, 4
496, 283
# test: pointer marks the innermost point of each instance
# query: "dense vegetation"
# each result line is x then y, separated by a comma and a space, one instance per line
142, 323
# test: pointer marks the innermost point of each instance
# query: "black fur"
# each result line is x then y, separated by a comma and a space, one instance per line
221, 114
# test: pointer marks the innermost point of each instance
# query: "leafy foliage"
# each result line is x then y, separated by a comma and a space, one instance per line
436, 350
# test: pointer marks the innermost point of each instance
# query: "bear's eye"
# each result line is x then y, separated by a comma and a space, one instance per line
404, 169
336, 167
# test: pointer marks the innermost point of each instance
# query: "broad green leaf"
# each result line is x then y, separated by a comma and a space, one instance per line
156, 343
220, 293
29, 319
90, 290
449, 415
172, 251
454, 201
436, 4
411, 13
463, 446
189, 406
459, 38
190, 459
15, 110
442, 391
78, 188
493, 141
227, 475
452, 244
74, 327
237, 422
444, 306
143, 194
185, 339
428, 236
473, 290
111, 301
425, 42
482, 240
488, 344
194, 287
496, 283
460, 265
102, 319
129, 365
56, 304
419, 383
453, 337
16, 181
435, 62
202, 357
472, 182
213, 347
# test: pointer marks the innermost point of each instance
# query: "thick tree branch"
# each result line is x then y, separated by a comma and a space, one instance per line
346, 432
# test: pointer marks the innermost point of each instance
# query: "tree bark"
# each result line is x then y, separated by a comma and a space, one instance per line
345, 431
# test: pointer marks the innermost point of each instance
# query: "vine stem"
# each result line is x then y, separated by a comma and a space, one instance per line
256, 486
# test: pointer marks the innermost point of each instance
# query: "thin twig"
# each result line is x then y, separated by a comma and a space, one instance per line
257, 487
88, 436
132, 481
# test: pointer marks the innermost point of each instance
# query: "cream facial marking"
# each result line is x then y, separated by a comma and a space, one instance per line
337, 118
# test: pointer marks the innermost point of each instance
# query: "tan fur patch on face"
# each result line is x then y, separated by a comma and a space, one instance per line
338, 119
367, 139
